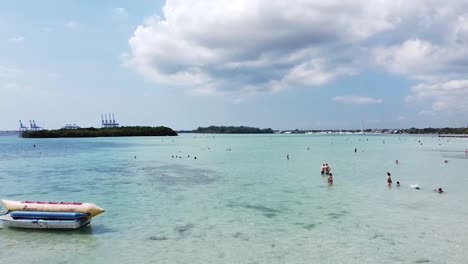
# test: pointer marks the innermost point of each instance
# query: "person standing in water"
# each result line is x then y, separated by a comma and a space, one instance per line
389, 179
330, 179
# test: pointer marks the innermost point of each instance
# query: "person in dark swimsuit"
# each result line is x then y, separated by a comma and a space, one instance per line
389, 179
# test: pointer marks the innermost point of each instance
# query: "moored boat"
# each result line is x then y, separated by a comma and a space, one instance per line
79, 207
9, 221
48, 215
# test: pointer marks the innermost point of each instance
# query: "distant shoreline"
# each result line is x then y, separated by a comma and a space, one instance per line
454, 136
153, 131
130, 131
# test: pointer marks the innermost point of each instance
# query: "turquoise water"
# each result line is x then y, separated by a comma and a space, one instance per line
248, 204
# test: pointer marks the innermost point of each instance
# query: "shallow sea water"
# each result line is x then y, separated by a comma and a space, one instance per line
248, 204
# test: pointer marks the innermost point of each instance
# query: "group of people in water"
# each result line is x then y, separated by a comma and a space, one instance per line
325, 170
414, 186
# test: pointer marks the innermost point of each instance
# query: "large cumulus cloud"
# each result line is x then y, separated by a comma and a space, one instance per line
248, 46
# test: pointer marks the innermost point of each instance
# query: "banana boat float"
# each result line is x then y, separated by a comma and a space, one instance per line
56, 215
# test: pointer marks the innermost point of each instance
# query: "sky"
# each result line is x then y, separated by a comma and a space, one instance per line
263, 63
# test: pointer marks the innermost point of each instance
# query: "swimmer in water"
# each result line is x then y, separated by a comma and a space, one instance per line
398, 184
439, 190
396, 162
330, 179
327, 169
389, 179
287, 156
322, 169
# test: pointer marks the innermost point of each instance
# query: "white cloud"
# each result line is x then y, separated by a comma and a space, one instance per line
310, 73
435, 53
353, 99
219, 47
8, 72
425, 113
12, 87
445, 96
120, 11
17, 39
422, 60
263, 45
72, 24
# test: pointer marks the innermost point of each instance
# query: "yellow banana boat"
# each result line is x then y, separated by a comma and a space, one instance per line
90, 208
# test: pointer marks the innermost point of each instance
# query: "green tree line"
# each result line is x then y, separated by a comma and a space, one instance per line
128, 131
430, 130
233, 130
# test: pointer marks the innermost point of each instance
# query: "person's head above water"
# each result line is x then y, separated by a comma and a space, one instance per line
388, 173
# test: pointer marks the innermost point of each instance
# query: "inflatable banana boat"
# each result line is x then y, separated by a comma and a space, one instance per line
90, 208
42, 215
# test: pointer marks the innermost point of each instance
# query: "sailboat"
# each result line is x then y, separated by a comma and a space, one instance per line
362, 127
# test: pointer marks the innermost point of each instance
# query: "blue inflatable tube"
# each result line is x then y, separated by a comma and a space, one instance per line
47, 215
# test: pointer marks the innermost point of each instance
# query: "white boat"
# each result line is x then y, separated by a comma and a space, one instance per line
44, 223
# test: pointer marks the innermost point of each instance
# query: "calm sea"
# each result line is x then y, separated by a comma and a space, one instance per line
241, 200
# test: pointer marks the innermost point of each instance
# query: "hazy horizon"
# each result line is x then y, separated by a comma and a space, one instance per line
268, 64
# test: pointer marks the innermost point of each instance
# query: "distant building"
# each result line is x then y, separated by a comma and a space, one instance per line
108, 122
70, 126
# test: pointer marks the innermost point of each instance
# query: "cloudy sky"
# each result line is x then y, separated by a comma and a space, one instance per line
281, 64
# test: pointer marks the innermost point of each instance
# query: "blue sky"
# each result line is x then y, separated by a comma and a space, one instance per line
279, 64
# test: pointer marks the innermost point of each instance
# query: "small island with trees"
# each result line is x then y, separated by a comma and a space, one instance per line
124, 131
230, 130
